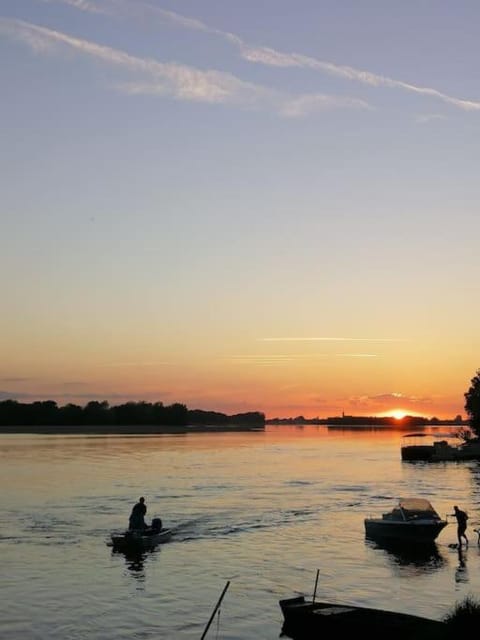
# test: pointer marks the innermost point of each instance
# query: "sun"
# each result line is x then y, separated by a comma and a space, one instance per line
398, 414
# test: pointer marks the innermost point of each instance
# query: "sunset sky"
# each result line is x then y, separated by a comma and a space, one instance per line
265, 205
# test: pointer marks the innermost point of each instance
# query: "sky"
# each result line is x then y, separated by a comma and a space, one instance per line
265, 205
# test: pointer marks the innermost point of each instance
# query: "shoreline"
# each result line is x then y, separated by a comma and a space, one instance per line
120, 430
153, 429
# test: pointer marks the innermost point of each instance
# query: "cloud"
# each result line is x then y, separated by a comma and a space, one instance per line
356, 355
389, 400
175, 80
134, 364
305, 104
62, 396
272, 57
429, 117
267, 55
281, 359
329, 339
400, 397
12, 395
83, 5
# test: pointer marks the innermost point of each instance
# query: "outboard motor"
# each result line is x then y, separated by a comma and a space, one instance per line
156, 524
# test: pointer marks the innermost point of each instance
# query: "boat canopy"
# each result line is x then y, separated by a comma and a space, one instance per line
416, 435
430, 435
416, 505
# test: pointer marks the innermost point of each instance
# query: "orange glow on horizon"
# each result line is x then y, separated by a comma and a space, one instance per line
398, 414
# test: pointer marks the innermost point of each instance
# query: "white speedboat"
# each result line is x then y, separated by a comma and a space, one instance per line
412, 519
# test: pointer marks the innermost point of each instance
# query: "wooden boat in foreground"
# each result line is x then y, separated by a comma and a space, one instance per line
310, 620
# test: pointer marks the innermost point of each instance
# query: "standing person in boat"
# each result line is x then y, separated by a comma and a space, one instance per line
137, 517
462, 518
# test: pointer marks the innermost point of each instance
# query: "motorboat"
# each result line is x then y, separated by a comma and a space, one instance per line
439, 447
412, 519
310, 620
428, 447
141, 539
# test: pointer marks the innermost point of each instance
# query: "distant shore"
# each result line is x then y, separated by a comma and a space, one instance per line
139, 430
133, 430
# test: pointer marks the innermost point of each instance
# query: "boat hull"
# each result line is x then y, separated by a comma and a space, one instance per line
441, 452
417, 452
138, 540
408, 531
307, 620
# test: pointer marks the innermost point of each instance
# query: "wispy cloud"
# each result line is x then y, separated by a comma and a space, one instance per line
272, 57
330, 339
281, 359
390, 400
12, 395
429, 117
84, 5
181, 82
60, 395
134, 364
356, 355
267, 55
398, 397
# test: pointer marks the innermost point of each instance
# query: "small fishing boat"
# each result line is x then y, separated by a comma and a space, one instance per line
412, 519
311, 620
141, 539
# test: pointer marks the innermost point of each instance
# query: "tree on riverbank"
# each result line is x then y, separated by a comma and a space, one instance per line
472, 404
100, 414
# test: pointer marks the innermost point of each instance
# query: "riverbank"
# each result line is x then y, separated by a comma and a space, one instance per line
134, 430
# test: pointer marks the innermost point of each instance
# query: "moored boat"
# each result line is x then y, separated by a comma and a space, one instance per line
310, 620
412, 519
426, 447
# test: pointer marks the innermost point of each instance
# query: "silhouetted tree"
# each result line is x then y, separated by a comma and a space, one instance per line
96, 413
176, 414
44, 413
71, 414
10, 412
472, 404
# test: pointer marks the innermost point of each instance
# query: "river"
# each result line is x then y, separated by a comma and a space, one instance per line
263, 510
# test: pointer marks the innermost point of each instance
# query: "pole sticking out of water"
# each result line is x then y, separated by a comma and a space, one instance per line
215, 610
316, 582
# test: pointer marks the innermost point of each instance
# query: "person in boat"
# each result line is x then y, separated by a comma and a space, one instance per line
137, 517
462, 518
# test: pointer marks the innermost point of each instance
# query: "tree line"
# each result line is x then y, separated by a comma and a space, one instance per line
94, 413
48, 413
472, 404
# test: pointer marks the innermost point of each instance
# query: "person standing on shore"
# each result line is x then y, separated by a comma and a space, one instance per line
462, 518
137, 517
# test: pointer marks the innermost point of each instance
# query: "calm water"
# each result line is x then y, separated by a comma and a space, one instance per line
263, 510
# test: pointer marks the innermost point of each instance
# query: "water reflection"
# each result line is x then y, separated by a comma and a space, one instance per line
410, 559
135, 564
461, 573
